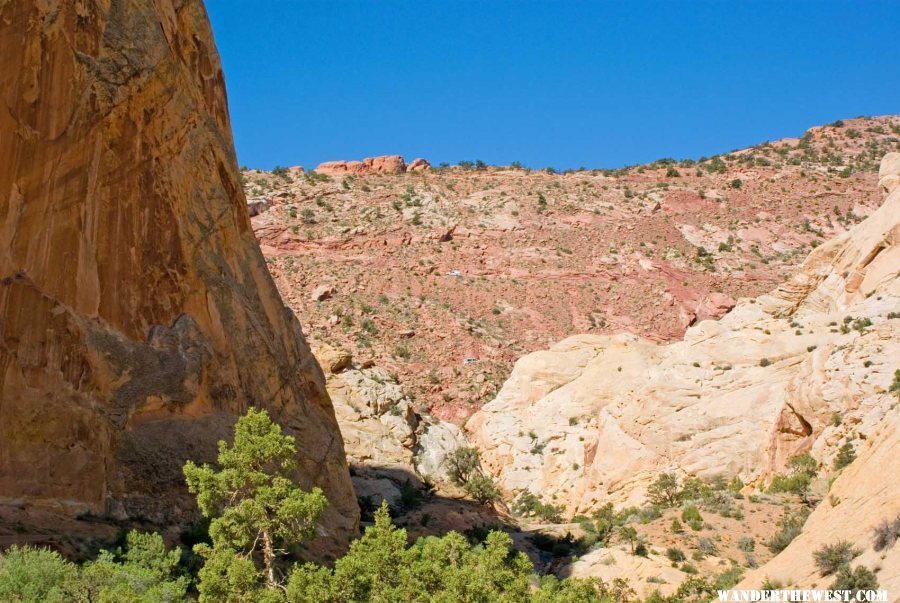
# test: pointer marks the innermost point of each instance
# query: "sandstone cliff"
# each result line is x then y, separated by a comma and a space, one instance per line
137, 316
595, 418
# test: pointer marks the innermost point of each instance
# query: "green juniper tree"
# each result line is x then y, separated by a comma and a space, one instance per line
143, 573
256, 509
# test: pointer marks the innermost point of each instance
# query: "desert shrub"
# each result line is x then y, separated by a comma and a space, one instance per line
528, 504
722, 503
801, 470
691, 516
479, 532
729, 577
789, 527
649, 513
831, 557
553, 590
675, 555
859, 578
462, 463
410, 495
555, 545
677, 528
747, 544
629, 535
707, 546
665, 491
601, 525
845, 456
482, 488
887, 533
695, 488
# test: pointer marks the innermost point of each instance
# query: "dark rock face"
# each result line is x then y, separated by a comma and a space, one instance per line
137, 316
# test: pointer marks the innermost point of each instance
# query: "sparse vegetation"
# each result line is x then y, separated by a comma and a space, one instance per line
789, 527
528, 504
665, 491
675, 555
886, 534
859, 578
463, 467
801, 470
831, 557
845, 456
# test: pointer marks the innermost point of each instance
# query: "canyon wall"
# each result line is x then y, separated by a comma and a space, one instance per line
137, 316
803, 369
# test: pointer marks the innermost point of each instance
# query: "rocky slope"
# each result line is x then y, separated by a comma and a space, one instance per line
596, 417
491, 263
867, 494
137, 316
807, 368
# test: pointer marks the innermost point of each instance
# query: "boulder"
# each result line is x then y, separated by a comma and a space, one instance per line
418, 165
322, 293
714, 306
333, 360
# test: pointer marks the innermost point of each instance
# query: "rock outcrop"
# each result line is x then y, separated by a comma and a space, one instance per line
803, 369
387, 442
137, 316
384, 164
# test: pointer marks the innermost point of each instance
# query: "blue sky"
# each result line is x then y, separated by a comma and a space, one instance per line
564, 84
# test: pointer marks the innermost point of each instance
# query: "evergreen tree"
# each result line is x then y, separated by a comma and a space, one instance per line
256, 510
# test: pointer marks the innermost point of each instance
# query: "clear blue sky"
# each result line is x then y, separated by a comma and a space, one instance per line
565, 84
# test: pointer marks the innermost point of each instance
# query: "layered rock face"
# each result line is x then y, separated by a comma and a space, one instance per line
867, 493
384, 164
137, 316
803, 369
